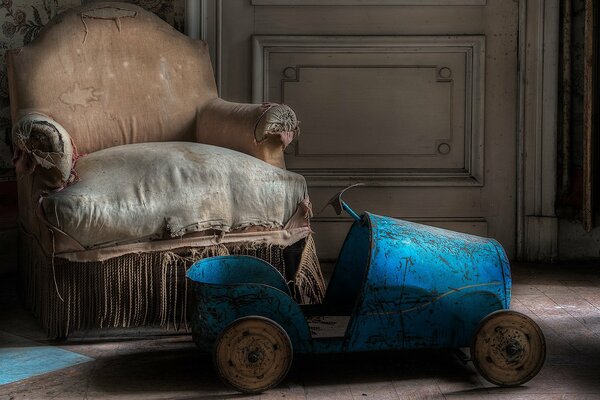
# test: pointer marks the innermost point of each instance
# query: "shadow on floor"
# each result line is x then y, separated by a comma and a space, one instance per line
154, 369
167, 369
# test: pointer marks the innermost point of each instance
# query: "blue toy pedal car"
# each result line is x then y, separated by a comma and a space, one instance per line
396, 285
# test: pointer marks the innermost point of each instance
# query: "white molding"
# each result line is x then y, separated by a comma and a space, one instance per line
537, 235
369, 2
203, 19
219, 45
549, 129
193, 18
206, 16
196, 19
520, 130
472, 46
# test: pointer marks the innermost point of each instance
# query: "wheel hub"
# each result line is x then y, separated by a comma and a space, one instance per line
513, 350
508, 347
253, 357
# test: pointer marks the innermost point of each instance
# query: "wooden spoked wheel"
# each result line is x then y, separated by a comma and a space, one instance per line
508, 348
253, 354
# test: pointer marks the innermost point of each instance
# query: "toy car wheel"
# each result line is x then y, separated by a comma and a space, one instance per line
253, 354
508, 348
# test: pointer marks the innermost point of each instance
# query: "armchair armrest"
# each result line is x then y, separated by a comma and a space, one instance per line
39, 141
261, 130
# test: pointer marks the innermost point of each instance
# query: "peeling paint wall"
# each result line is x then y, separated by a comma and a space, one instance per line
20, 22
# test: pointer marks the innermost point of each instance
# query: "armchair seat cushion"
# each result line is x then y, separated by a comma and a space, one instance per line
146, 191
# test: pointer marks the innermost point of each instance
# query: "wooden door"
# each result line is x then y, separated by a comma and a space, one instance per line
416, 99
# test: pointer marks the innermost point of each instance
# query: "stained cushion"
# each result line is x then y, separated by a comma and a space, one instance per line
162, 190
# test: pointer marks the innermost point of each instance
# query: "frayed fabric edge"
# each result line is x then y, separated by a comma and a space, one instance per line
140, 289
284, 238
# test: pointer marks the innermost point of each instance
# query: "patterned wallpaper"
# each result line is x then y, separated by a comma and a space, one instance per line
21, 20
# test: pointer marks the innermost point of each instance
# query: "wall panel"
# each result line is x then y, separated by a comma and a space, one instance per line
418, 100
389, 109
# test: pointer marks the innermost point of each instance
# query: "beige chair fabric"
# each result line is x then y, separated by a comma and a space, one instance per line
112, 74
117, 196
261, 130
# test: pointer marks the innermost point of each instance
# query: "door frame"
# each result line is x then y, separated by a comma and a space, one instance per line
536, 132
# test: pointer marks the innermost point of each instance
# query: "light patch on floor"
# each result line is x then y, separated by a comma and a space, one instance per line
21, 358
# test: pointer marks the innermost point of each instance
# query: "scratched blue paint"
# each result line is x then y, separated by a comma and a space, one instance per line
230, 287
21, 358
424, 287
405, 286
235, 270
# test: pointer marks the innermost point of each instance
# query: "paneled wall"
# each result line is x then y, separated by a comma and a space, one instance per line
415, 99
445, 109
393, 110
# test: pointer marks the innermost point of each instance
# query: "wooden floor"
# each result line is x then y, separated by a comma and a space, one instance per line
564, 300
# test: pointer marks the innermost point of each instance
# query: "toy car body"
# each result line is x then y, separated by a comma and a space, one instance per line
396, 285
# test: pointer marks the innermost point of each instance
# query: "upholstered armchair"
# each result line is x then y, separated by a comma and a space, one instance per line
130, 168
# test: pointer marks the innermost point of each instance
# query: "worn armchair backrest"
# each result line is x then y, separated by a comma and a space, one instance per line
112, 74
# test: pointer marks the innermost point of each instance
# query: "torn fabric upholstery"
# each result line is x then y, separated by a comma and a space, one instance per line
39, 141
152, 191
280, 121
